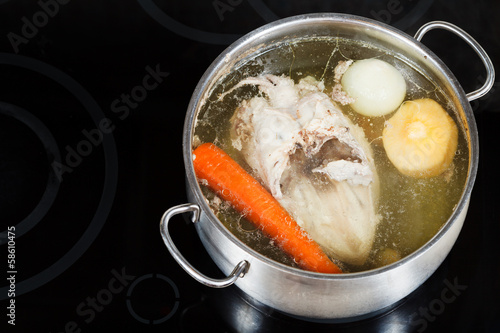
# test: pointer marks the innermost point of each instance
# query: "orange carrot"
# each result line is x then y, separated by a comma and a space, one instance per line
233, 184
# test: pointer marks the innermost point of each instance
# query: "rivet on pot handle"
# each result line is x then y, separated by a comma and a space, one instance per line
239, 271
490, 70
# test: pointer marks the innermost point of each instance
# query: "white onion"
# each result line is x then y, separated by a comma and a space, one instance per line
377, 87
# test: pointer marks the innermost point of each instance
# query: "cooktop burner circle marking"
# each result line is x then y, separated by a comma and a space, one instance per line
184, 30
52, 151
268, 15
153, 321
110, 179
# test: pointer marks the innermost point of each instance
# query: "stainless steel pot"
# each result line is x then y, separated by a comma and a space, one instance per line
315, 295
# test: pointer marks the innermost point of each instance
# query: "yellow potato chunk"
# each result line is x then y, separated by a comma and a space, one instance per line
421, 138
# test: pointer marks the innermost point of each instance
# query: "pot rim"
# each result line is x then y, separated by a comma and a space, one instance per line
202, 90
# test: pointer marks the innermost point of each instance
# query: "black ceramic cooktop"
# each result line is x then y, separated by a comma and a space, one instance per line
92, 104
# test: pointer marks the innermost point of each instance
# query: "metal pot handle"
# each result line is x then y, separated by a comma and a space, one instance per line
490, 70
238, 272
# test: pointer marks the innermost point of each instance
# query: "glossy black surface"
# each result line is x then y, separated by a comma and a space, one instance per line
92, 103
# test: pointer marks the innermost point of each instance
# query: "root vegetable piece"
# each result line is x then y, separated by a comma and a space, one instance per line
421, 138
233, 184
377, 87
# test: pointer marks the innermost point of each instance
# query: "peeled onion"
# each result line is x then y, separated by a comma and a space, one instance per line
377, 87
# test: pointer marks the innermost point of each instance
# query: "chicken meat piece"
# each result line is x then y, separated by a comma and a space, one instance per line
313, 160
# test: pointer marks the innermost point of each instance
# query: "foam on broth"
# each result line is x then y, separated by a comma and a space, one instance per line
412, 210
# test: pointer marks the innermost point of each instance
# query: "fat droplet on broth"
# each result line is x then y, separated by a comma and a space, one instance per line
405, 204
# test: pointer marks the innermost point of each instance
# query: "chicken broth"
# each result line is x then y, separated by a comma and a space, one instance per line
411, 210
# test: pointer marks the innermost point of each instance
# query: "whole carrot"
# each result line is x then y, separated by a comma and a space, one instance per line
233, 184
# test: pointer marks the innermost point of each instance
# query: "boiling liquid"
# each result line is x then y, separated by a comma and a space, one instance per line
412, 210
